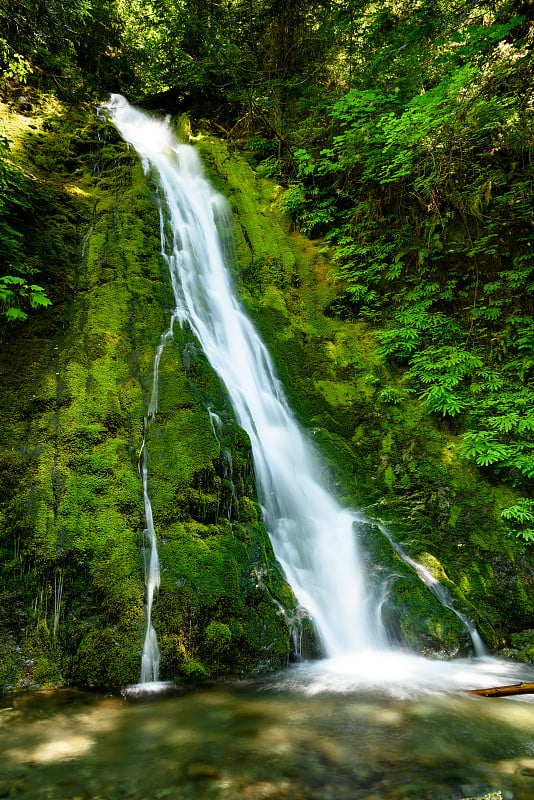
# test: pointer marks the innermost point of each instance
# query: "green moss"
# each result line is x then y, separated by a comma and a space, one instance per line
194, 671
78, 407
389, 477
387, 442
106, 658
411, 614
217, 640
337, 394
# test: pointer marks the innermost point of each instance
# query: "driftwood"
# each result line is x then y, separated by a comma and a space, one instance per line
503, 691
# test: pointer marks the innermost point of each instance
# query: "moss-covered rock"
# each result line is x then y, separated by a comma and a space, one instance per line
77, 392
74, 406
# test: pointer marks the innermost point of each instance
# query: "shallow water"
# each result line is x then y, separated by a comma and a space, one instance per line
287, 736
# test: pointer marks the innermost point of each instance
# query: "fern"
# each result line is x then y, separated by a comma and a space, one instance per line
444, 373
524, 464
521, 513
390, 395
484, 448
441, 400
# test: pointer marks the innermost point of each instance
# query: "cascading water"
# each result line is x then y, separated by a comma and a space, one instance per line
439, 591
151, 656
313, 536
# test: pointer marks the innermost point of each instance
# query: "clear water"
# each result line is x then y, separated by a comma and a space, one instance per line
284, 737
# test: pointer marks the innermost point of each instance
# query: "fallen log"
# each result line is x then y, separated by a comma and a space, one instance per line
503, 691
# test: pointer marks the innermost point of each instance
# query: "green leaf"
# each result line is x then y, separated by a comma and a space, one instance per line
13, 279
521, 511
484, 448
15, 314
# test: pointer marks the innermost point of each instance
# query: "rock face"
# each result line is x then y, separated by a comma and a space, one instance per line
76, 385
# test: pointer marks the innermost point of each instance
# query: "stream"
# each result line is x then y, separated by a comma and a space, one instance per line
294, 735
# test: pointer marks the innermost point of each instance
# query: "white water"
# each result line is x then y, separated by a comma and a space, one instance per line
150, 656
439, 591
313, 537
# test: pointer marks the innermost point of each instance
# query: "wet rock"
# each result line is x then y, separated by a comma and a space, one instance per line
524, 656
199, 770
522, 646
268, 790
523, 639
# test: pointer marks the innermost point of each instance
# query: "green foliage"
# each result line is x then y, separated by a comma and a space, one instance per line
253, 61
484, 448
56, 41
17, 293
14, 291
312, 216
37, 32
431, 230
391, 395
520, 514
444, 372
14, 64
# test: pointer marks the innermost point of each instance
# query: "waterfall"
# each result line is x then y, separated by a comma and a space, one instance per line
439, 591
313, 537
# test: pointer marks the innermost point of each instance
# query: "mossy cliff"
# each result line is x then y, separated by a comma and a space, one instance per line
77, 382
76, 385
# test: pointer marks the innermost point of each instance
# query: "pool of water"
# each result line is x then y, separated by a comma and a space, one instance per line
306, 734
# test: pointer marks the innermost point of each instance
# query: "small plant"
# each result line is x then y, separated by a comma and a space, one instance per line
484, 448
521, 513
15, 292
445, 372
390, 395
